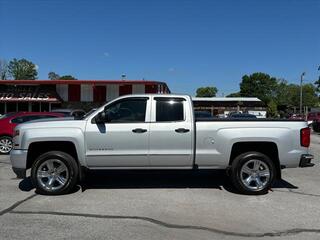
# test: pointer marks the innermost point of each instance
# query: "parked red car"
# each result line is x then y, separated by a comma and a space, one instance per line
10, 120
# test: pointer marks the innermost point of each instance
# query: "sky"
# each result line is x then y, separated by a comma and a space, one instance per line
187, 44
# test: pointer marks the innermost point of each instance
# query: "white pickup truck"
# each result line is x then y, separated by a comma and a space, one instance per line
158, 132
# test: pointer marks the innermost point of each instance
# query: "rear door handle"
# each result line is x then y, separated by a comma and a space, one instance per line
139, 130
182, 130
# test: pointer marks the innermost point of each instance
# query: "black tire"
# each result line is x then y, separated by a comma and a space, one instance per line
6, 145
246, 159
71, 178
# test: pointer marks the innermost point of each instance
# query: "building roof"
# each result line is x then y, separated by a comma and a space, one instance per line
145, 82
226, 99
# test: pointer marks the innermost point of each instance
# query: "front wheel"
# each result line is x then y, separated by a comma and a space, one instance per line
253, 173
5, 144
54, 173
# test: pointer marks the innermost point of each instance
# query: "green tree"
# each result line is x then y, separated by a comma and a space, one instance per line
289, 95
67, 77
317, 83
207, 92
53, 76
22, 69
259, 85
236, 94
272, 110
309, 96
282, 94
4, 70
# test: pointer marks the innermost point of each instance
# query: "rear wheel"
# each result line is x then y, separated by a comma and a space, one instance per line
5, 144
253, 173
54, 173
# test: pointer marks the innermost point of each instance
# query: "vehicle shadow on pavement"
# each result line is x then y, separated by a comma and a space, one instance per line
131, 179
213, 179
27, 186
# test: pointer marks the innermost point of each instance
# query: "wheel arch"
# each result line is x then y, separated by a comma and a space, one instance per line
267, 148
38, 148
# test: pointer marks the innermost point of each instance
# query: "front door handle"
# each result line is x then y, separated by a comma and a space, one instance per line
182, 130
139, 130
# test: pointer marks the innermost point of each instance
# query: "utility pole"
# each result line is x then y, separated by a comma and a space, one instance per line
301, 79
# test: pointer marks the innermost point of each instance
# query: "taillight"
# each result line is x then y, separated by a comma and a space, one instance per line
305, 137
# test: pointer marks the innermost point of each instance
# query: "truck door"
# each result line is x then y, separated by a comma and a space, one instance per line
122, 140
171, 133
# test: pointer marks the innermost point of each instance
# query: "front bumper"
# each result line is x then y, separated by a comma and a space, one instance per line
18, 160
305, 160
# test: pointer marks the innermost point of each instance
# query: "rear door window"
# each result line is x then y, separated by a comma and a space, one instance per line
169, 110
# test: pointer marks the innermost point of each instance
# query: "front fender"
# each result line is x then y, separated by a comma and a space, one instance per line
74, 135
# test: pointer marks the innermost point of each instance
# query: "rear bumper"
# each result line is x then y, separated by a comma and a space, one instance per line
305, 160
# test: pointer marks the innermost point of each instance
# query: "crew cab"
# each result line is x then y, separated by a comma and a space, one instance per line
158, 132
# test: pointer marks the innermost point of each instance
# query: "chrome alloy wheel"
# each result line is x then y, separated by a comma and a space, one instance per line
255, 175
5, 145
52, 174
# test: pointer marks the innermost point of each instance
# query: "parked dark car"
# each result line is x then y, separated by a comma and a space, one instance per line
76, 113
202, 114
242, 115
313, 116
10, 120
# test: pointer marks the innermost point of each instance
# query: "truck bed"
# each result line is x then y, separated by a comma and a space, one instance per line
247, 120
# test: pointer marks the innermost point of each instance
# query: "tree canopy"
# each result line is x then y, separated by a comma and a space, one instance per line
236, 94
22, 69
317, 83
206, 92
259, 85
272, 109
55, 76
67, 77
277, 92
4, 70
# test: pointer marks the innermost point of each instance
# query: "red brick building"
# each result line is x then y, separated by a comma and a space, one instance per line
45, 95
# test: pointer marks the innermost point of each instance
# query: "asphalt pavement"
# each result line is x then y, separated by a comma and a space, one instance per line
163, 205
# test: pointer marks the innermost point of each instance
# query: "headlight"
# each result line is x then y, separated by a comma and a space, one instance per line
16, 133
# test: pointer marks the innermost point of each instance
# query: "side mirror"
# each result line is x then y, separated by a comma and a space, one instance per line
100, 118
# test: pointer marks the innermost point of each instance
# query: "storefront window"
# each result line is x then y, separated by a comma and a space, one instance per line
11, 107
23, 107
2, 108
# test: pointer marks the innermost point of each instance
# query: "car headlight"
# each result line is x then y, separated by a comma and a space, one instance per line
16, 133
